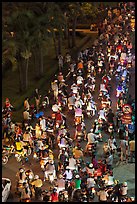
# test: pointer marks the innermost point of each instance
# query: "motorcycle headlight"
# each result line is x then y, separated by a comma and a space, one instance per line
35, 155
16, 155
30, 176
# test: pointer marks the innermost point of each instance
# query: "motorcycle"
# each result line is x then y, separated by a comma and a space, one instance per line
51, 177
6, 153
45, 102
91, 149
63, 196
21, 156
91, 108
43, 162
91, 193
110, 128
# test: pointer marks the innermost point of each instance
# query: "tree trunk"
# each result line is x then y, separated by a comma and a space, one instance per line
26, 66
74, 31
20, 77
20, 73
55, 46
35, 62
41, 70
69, 44
59, 43
66, 32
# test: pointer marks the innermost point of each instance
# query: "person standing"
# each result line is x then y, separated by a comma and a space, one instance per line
123, 147
37, 99
60, 61
132, 149
109, 160
26, 104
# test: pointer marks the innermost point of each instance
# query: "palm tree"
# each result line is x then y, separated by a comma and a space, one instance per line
21, 22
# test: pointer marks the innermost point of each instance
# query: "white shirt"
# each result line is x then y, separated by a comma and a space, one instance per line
91, 137
43, 124
102, 113
103, 88
72, 163
68, 174
71, 100
55, 108
90, 182
74, 89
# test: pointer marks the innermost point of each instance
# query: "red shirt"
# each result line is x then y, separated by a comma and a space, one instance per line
58, 117
119, 47
54, 197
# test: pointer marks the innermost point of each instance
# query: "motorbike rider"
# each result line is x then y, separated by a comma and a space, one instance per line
92, 138
63, 158
102, 114
72, 162
25, 193
37, 184
19, 146
27, 140
90, 181
90, 169
21, 178
54, 196
60, 183
68, 174
77, 182
49, 168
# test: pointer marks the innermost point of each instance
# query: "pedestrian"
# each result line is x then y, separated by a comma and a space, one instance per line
112, 144
42, 123
132, 149
26, 116
38, 131
123, 148
60, 61
26, 104
55, 88
37, 99
109, 161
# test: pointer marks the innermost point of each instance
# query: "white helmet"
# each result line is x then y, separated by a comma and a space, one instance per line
21, 170
77, 176
36, 177
124, 184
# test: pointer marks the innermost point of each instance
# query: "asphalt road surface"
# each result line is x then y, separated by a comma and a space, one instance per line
122, 172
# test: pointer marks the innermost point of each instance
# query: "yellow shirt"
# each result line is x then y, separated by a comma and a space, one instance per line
132, 145
19, 146
77, 153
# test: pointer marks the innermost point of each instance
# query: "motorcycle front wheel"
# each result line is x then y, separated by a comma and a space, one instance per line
5, 159
18, 159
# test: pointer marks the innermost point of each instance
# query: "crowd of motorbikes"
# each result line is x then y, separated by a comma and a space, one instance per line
105, 61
